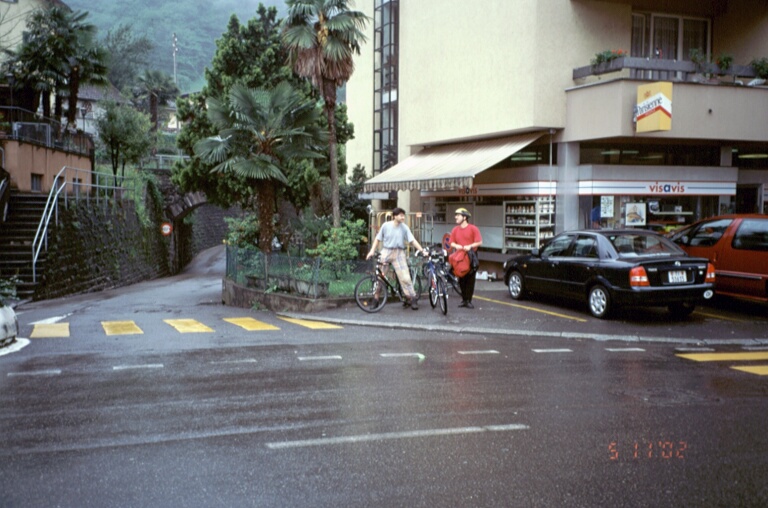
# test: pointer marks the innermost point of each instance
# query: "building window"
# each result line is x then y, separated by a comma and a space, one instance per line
669, 37
37, 182
649, 155
385, 112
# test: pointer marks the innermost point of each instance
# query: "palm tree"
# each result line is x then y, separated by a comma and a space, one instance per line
321, 37
259, 132
158, 88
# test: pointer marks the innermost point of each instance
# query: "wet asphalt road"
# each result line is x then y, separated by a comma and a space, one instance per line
365, 415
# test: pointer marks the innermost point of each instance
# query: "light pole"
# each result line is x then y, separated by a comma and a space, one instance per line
175, 50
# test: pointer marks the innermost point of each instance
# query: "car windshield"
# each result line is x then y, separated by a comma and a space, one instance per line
631, 244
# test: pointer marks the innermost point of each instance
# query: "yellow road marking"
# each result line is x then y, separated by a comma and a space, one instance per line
314, 325
121, 328
50, 331
188, 325
556, 314
725, 357
717, 316
251, 324
760, 370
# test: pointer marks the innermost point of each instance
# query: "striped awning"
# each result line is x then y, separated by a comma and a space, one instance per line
448, 167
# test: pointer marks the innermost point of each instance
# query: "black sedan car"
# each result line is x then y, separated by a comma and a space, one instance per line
611, 268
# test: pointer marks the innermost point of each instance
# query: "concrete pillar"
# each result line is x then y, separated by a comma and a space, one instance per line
567, 201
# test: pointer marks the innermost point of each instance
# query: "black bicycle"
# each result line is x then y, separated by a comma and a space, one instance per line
435, 275
373, 290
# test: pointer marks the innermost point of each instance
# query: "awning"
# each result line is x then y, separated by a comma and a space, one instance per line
448, 167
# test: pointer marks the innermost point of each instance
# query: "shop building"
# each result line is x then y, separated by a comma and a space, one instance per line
496, 106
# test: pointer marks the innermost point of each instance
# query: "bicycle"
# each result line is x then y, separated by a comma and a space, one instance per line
373, 290
434, 272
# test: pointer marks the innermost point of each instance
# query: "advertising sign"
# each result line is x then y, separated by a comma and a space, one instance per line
653, 111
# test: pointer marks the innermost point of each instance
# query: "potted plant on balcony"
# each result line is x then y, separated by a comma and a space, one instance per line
607, 60
760, 66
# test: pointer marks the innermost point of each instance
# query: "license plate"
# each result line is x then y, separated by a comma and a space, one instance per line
677, 276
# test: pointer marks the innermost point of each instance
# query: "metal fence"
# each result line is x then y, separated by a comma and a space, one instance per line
311, 277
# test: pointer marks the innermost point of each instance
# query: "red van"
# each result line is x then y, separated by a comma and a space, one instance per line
738, 247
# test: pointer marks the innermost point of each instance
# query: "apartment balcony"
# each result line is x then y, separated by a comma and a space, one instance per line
707, 103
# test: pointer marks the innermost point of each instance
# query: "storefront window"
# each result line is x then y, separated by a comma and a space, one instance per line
530, 155
649, 155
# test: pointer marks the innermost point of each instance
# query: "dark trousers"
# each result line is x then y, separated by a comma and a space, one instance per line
467, 286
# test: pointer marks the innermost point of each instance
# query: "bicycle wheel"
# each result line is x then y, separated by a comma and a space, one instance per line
365, 294
433, 290
442, 296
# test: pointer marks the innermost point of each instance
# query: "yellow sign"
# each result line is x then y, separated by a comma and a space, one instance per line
654, 107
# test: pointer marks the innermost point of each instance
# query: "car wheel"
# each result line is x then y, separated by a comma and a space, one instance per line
599, 302
516, 286
681, 309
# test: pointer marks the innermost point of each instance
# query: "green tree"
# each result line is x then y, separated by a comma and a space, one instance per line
259, 131
321, 37
124, 134
128, 53
58, 54
157, 88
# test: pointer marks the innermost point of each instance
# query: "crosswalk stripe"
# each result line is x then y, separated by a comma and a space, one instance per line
250, 324
188, 325
50, 331
725, 357
313, 325
760, 370
121, 328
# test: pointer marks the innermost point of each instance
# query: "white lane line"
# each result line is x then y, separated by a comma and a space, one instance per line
143, 366
754, 348
694, 349
16, 346
481, 352
51, 320
625, 349
244, 360
393, 435
418, 356
50, 372
553, 350
312, 358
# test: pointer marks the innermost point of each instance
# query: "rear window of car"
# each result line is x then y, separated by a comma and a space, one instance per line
629, 245
752, 235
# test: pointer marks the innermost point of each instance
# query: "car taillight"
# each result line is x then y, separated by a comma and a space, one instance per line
710, 272
638, 277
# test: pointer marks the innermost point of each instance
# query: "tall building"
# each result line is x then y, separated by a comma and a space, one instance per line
547, 115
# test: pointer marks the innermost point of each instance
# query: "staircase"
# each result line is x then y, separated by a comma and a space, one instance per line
16, 236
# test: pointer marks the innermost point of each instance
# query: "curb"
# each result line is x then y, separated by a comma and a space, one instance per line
528, 333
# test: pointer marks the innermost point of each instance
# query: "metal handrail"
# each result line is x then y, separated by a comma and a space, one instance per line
51, 209
5, 190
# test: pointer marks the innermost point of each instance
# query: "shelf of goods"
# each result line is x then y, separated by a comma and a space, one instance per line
528, 223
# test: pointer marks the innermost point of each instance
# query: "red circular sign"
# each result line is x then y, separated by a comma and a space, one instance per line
166, 228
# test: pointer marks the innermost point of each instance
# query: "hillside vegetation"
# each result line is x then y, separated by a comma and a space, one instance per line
197, 24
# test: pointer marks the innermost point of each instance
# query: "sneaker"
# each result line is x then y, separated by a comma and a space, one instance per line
463, 304
415, 305
469, 305
375, 304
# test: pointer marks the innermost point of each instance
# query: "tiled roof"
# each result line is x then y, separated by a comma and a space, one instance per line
100, 93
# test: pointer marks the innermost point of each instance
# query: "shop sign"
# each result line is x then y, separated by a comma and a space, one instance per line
655, 188
653, 111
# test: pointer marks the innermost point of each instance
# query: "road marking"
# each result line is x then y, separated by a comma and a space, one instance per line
188, 325
481, 352
50, 331
51, 320
755, 348
250, 324
364, 438
694, 349
312, 358
121, 328
418, 356
625, 349
313, 325
726, 357
526, 307
16, 346
553, 351
51, 372
718, 316
760, 370
143, 366
244, 360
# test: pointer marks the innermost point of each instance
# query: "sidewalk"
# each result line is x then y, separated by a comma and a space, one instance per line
496, 314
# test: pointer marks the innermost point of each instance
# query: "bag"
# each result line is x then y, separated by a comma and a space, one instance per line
474, 261
460, 263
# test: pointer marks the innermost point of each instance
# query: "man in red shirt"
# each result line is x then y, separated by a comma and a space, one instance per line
466, 236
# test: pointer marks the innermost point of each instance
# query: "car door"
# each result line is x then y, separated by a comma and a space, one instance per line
578, 267
742, 261
705, 239
543, 275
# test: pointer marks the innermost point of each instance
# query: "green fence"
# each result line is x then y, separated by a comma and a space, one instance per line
306, 276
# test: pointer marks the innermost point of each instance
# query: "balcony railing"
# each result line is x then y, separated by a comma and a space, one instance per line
655, 69
27, 127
